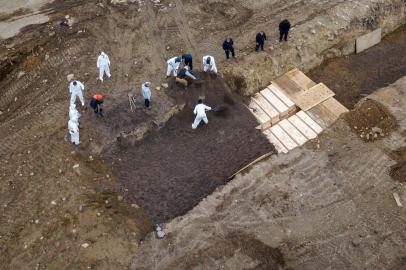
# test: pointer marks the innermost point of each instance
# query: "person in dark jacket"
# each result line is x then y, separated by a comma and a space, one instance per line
228, 47
284, 28
96, 104
188, 58
260, 40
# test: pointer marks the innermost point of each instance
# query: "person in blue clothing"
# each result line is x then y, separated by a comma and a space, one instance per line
188, 58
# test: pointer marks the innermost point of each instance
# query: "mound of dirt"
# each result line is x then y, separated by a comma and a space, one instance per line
398, 171
173, 169
371, 120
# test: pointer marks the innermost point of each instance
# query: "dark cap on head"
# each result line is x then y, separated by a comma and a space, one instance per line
75, 83
208, 60
200, 101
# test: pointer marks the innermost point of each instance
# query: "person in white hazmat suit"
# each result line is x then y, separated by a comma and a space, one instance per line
103, 64
76, 89
209, 64
173, 66
73, 127
73, 113
146, 93
200, 112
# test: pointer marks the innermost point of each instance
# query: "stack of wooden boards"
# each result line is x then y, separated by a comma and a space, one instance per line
294, 109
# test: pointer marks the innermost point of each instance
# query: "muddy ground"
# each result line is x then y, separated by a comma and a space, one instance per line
358, 75
174, 168
65, 207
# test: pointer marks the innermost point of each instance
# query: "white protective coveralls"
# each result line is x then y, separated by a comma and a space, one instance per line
103, 64
76, 91
73, 113
146, 91
73, 127
200, 112
211, 66
173, 66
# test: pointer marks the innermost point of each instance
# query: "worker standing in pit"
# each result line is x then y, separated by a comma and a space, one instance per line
182, 74
200, 112
188, 58
96, 103
76, 89
73, 127
173, 66
260, 41
209, 64
146, 93
103, 64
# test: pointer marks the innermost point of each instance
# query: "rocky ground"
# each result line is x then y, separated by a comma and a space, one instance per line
64, 207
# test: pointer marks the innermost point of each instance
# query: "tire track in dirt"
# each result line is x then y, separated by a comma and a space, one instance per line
159, 55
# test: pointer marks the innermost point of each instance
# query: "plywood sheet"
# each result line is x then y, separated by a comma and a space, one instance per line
293, 132
367, 41
290, 87
300, 79
310, 122
283, 137
334, 106
263, 119
275, 101
312, 97
272, 139
267, 108
302, 127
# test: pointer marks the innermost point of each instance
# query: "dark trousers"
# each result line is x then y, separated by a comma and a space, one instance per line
283, 35
259, 45
147, 102
228, 53
189, 63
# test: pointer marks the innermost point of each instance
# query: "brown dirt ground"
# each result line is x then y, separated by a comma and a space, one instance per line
398, 171
371, 114
361, 74
173, 169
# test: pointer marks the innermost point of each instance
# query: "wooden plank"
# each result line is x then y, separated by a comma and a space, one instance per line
334, 106
302, 127
267, 108
263, 119
275, 101
277, 91
367, 41
272, 139
322, 115
310, 122
252, 163
300, 79
312, 97
293, 132
283, 137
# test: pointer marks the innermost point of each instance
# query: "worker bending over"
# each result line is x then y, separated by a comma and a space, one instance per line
103, 64
76, 89
146, 93
96, 103
200, 112
73, 127
182, 74
173, 66
209, 64
188, 58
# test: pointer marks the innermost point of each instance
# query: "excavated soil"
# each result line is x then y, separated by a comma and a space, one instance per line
355, 76
370, 114
398, 171
173, 169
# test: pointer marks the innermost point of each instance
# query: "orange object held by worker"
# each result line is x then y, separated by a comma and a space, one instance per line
96, 103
